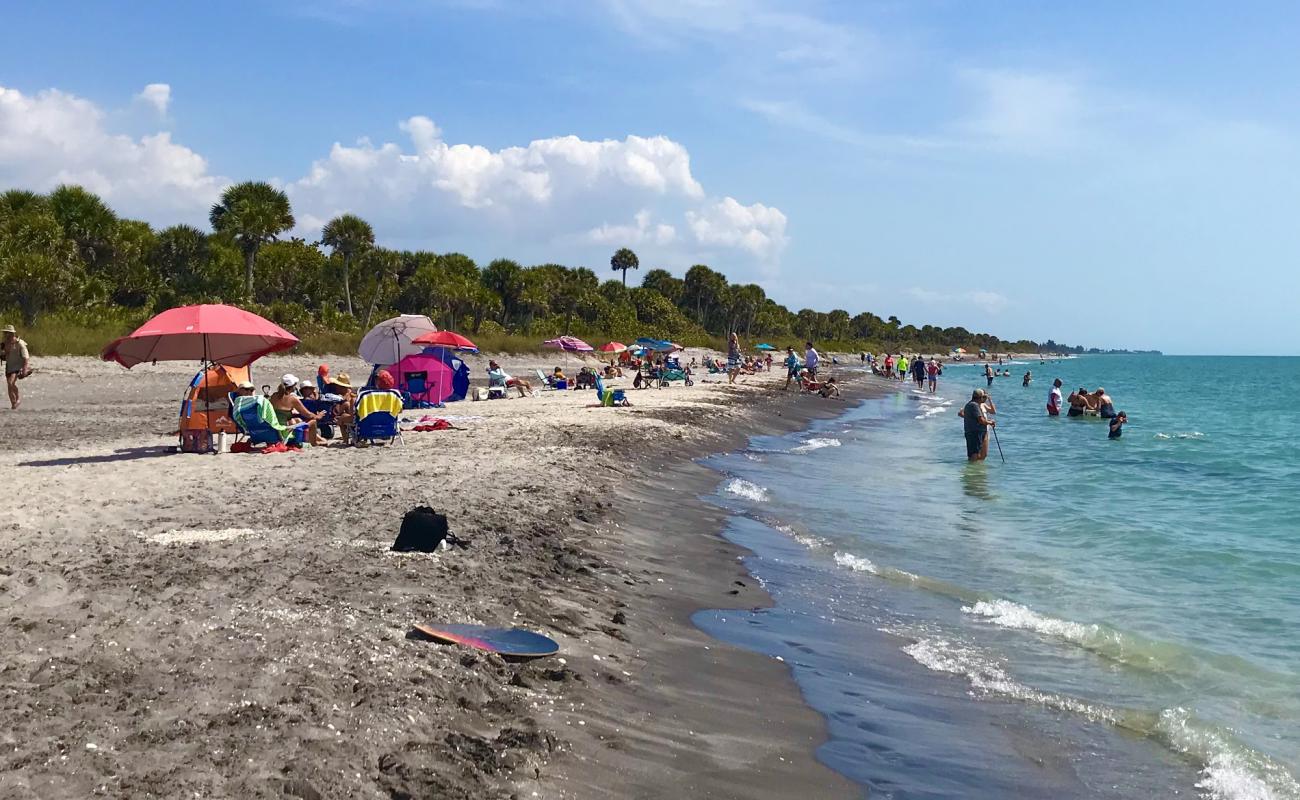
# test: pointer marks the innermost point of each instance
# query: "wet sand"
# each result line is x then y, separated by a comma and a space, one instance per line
235, 625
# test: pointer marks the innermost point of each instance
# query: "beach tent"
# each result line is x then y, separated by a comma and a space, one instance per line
207, 403
448, 375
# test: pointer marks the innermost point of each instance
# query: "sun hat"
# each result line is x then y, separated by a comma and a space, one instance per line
289, 380
342, 379
9, 329
244, 385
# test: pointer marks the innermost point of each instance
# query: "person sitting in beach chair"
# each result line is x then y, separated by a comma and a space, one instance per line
498, 379
586, 378
378, 411
311, 400
345, 408
256, 419
289, 408
613, 370
558, 380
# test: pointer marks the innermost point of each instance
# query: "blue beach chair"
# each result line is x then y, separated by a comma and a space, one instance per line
255, 416
377, 413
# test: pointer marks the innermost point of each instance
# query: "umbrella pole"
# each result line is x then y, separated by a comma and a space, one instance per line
207, 415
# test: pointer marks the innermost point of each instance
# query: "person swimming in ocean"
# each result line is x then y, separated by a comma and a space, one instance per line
1104, 405
1029, 377
1117, 425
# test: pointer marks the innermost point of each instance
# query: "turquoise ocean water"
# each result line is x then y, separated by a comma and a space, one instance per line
1092, 618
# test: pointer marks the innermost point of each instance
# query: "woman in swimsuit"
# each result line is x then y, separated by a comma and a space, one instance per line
1078, 401
290, 410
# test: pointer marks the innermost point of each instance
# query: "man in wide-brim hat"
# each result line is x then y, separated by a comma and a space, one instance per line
13, 351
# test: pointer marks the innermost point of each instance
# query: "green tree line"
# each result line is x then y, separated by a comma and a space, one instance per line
67, 250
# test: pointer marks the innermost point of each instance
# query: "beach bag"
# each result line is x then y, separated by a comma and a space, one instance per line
423, 529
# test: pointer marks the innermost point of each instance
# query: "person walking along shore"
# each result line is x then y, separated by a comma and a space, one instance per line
13, 351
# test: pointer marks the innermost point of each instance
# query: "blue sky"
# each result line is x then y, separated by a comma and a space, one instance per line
1115, 174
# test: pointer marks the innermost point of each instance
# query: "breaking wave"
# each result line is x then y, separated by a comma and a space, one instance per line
743, 488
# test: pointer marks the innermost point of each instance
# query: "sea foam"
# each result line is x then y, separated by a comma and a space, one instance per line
856, 563
1229, 770
815, 444
747, 490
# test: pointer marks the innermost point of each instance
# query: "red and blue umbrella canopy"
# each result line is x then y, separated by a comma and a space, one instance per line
448, 339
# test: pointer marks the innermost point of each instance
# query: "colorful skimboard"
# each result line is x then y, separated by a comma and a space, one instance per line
508, 642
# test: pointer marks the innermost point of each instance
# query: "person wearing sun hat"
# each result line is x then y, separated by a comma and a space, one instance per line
17, 363
345, 410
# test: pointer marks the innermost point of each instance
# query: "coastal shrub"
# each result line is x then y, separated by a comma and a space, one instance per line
69, 251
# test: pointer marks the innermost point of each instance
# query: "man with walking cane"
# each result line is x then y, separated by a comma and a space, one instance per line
977, 423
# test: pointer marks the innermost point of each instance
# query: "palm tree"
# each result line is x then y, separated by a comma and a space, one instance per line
86, 220
624, 260
347, 235
252, 213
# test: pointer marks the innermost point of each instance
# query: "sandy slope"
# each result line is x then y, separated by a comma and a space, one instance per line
235, 626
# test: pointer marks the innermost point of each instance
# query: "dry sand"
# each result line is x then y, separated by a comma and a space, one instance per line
235, 625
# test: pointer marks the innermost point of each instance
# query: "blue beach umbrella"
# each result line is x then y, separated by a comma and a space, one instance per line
764, 346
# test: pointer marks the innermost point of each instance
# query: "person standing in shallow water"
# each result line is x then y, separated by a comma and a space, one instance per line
976, 420
989, 374
1054, 399
1117, 425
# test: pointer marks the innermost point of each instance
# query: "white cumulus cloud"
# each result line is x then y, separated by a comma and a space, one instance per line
641, 231
756, 228
565, 190
561, 198
158, 95
52, 137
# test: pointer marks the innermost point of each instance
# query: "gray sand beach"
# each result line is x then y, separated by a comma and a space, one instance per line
236, 625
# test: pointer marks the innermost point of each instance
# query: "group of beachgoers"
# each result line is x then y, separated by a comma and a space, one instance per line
803, 372
333, 395
978, 414
1082, 403
925, 373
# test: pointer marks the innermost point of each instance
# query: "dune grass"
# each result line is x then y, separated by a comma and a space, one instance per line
73, 333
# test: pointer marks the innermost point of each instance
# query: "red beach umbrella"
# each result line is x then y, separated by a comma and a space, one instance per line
612, 347
449, 339
217, 334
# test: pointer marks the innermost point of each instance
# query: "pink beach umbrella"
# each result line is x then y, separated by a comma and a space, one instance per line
570, 344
